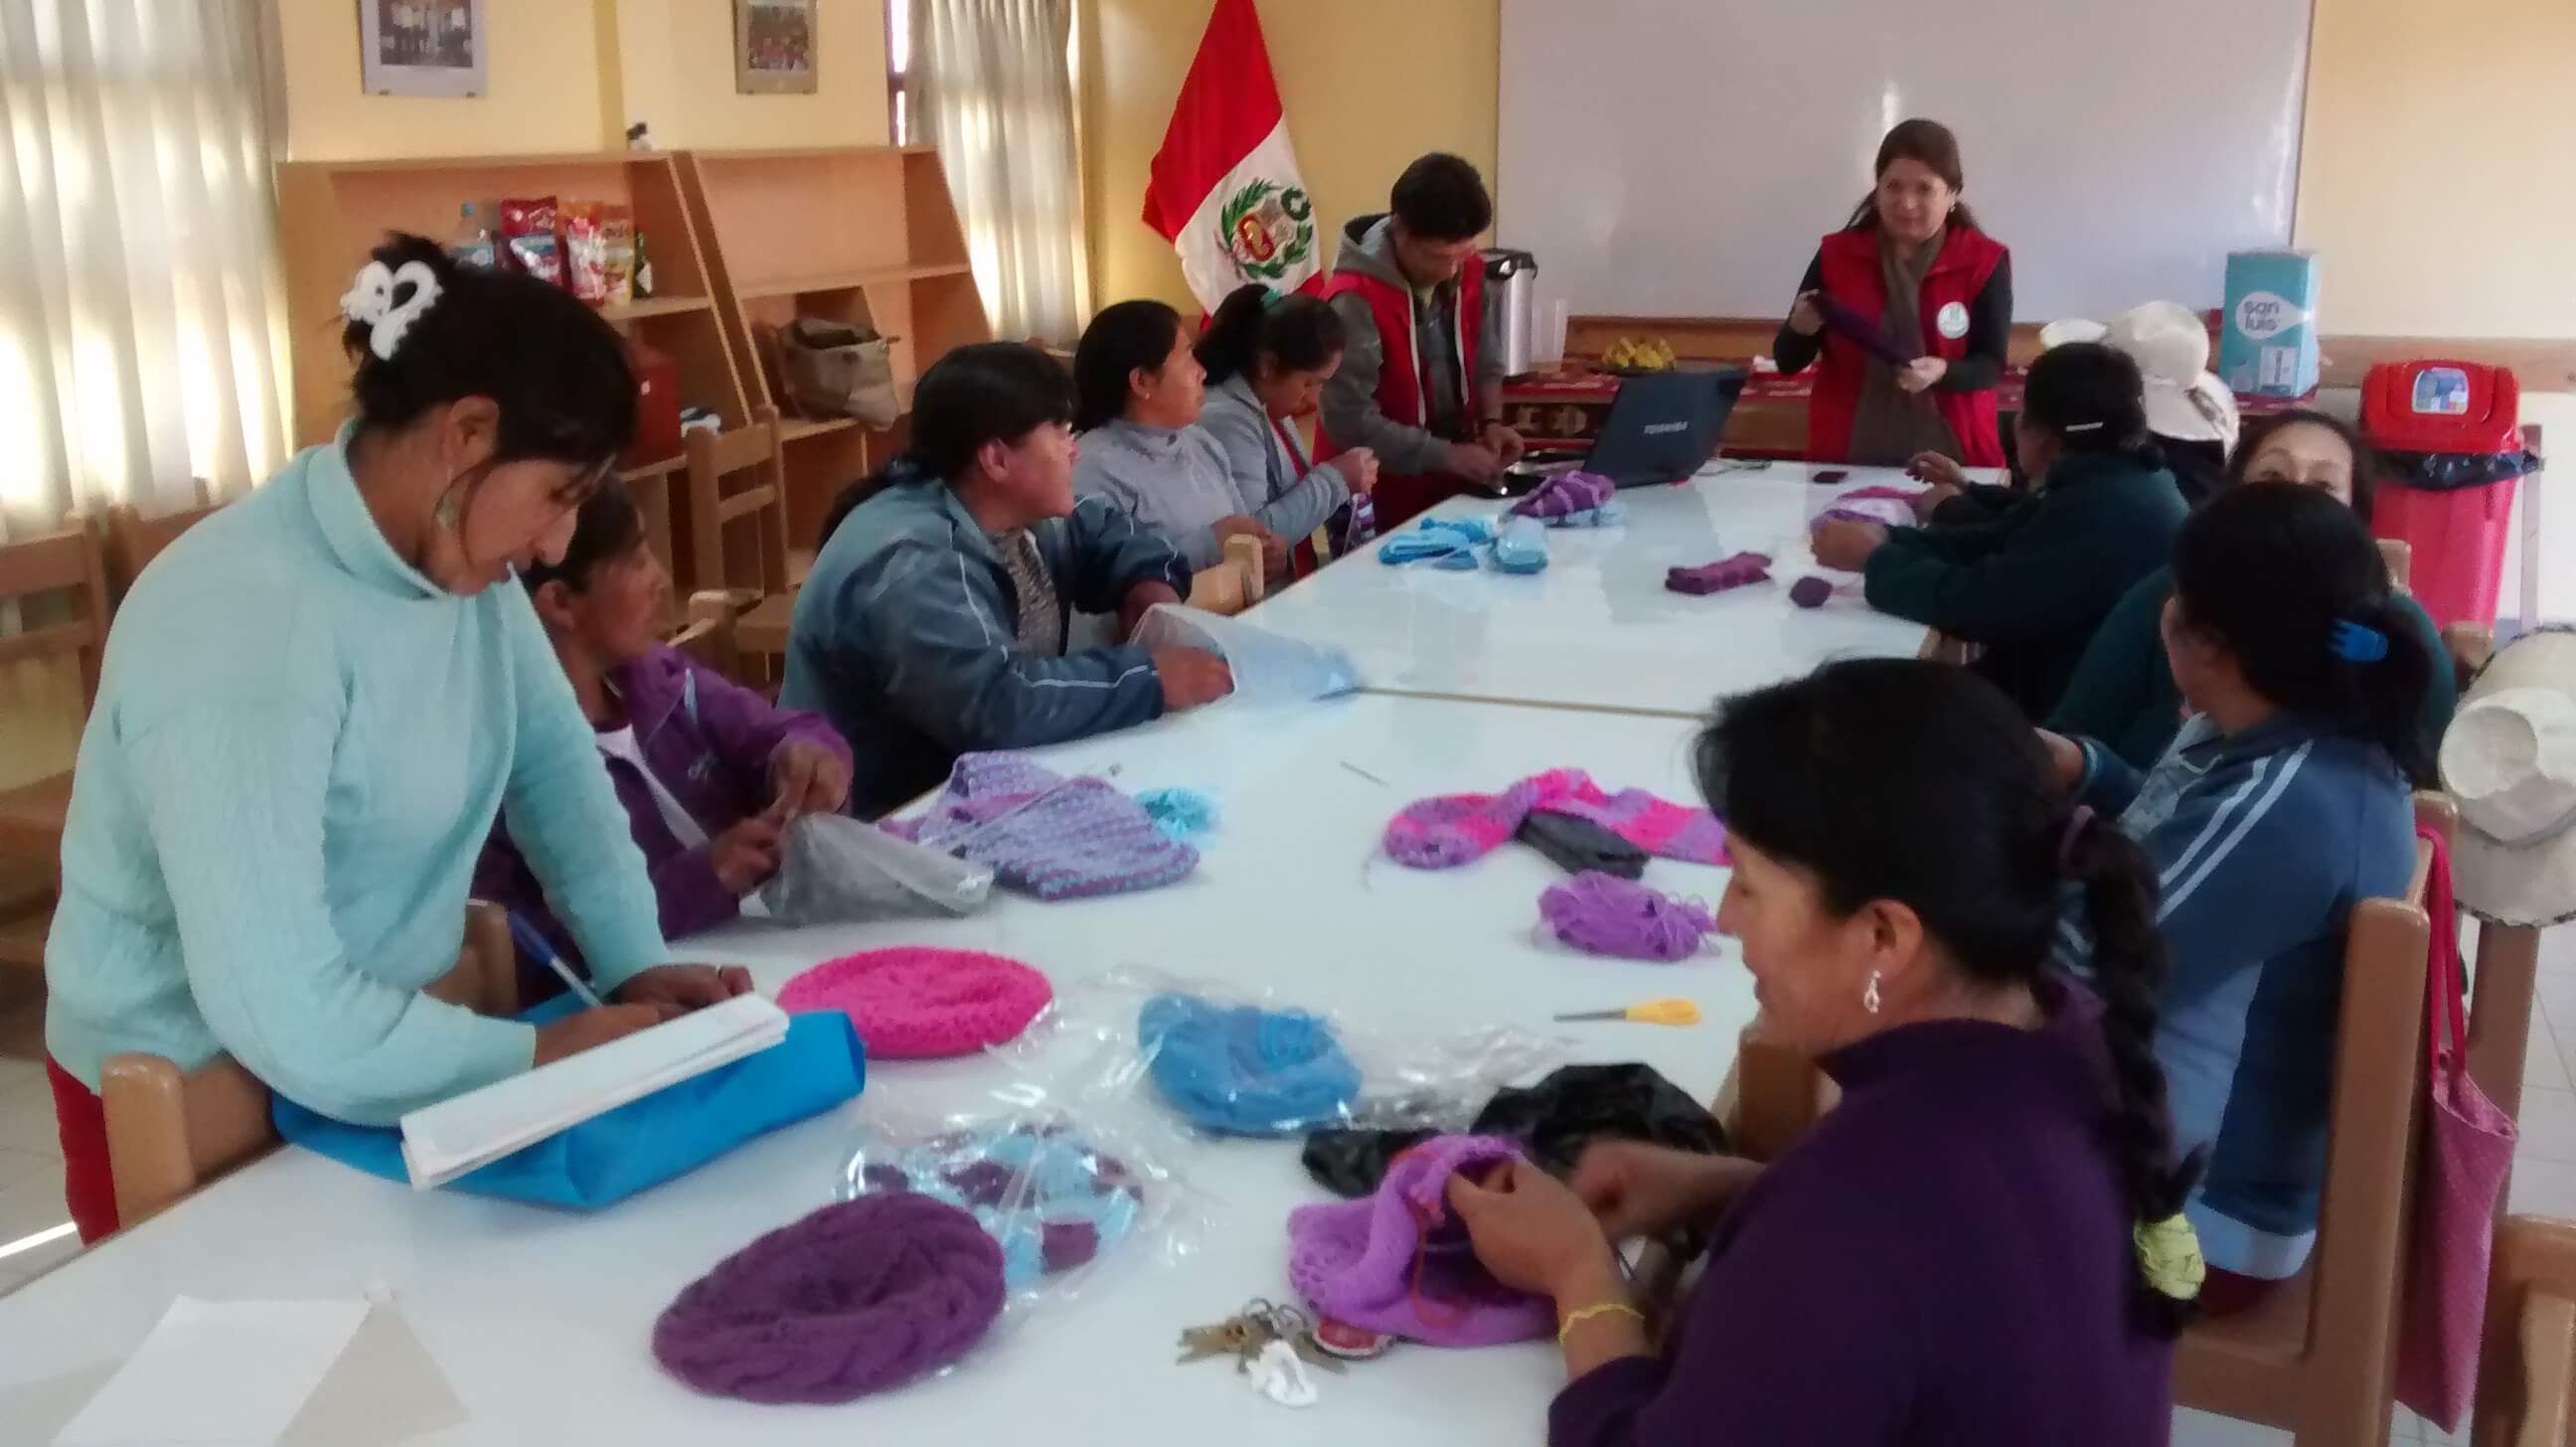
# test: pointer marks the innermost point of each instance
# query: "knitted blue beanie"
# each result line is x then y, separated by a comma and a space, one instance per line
1246, 1071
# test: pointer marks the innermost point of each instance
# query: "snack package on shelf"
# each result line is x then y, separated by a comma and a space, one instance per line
617, 251
585, 251
528, 237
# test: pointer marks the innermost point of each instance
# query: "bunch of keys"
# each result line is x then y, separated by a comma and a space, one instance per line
1272, 1346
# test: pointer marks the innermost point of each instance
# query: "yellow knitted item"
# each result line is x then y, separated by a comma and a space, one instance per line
2169, 1255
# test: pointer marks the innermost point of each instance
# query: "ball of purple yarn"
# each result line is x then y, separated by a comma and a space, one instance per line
1810, 591
1608, 915
858, 1297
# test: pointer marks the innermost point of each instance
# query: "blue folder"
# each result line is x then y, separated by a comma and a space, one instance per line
642, 1143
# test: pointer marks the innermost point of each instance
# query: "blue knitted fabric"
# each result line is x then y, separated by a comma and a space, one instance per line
1182, 814
1246, 1071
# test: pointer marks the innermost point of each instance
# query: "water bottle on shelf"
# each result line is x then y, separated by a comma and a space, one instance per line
473, 244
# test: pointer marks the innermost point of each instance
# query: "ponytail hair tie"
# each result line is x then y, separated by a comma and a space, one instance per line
2169, 1257
2083, 426
370, 302
2076, 824
2356, 642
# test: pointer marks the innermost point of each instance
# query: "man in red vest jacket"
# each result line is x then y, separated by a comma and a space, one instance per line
1418, 382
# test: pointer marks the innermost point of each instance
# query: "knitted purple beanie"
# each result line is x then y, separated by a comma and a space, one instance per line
916, 1003
855, 1298
1046, 835
1396, 1263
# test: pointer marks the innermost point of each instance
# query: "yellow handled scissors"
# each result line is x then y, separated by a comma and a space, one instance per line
1653, 1012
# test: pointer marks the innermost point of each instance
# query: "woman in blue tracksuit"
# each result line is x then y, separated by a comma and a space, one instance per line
2281, 805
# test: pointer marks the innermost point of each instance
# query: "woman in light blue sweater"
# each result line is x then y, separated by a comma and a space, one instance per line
313, 706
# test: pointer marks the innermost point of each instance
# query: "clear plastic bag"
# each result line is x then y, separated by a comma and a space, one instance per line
833, 869
1067, 1194
1251, 1063
1268, 667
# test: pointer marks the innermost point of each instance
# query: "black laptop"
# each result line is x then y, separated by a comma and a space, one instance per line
1662, 428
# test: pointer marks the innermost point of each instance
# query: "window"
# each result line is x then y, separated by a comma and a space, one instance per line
898, 70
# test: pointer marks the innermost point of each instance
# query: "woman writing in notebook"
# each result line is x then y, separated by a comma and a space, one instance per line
312, 709
1908, 309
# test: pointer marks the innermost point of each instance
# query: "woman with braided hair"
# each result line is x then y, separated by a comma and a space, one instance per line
2280, 805
1983, 1241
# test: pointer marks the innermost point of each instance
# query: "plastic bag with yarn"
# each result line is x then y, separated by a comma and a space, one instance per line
1067, 1195
1218, 1058
833, 869
1268, 667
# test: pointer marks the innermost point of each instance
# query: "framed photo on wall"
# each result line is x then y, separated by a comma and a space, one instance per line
421, 47
773, 47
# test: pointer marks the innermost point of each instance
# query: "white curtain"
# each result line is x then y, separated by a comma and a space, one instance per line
142, 343
991, 84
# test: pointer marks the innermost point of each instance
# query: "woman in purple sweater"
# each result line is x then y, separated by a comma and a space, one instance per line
710, 772
1982, 1242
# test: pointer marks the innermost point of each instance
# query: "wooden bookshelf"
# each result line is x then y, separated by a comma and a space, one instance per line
865, 235
332, 213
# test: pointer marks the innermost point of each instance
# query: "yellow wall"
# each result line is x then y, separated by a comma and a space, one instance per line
1358, 78
543, 71
2434, 180
677, 68
2420, 116
569, 75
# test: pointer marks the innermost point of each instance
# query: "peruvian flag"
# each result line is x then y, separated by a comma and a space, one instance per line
1225, 190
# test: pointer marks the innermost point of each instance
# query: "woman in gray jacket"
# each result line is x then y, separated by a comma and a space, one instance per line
1267, 358
1137, 393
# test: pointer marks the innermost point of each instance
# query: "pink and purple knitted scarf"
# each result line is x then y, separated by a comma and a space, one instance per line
1453, 829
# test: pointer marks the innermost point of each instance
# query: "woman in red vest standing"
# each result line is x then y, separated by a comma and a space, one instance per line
1909, 309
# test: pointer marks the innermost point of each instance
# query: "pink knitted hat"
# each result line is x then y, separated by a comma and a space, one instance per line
1396, 1263
917, 1003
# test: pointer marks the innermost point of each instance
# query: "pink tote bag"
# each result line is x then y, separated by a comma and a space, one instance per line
2460, 1173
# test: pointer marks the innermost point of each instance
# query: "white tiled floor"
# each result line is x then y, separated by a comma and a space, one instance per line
2544, 1180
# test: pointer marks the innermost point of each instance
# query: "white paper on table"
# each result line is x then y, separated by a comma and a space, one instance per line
218, 1374
446, 1140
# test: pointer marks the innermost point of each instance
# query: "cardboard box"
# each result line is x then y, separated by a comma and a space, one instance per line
2267, 344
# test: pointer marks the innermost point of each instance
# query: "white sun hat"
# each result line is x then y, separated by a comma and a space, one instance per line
2509, 758
2170, 344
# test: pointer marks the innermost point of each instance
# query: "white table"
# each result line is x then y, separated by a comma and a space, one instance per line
542, 1320
1598, 628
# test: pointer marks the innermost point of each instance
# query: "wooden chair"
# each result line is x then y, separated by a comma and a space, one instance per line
171, 1132
1234, 584
2399, 555
69, 565
2317, 1357
709, 635
134, 540
2527, 1366
733, 476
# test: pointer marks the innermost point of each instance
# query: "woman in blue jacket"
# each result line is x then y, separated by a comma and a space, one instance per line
2281, 805
934, 620
312, 708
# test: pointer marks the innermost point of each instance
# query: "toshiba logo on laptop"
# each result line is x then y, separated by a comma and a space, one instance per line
1659, 429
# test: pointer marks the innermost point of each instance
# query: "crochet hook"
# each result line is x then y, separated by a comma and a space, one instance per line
1653, 1012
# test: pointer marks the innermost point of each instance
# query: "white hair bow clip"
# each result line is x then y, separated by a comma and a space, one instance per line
371, 300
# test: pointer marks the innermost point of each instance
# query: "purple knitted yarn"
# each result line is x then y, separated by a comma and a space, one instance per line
1811, 591
1366, 1263
858, 1297
1608, 915
1717, 577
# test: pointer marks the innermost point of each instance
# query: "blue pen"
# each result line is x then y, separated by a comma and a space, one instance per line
533, 943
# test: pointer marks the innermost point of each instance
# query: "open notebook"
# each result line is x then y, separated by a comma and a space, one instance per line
446, 1140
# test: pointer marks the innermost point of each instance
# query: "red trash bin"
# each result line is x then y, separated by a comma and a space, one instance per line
2449, 439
